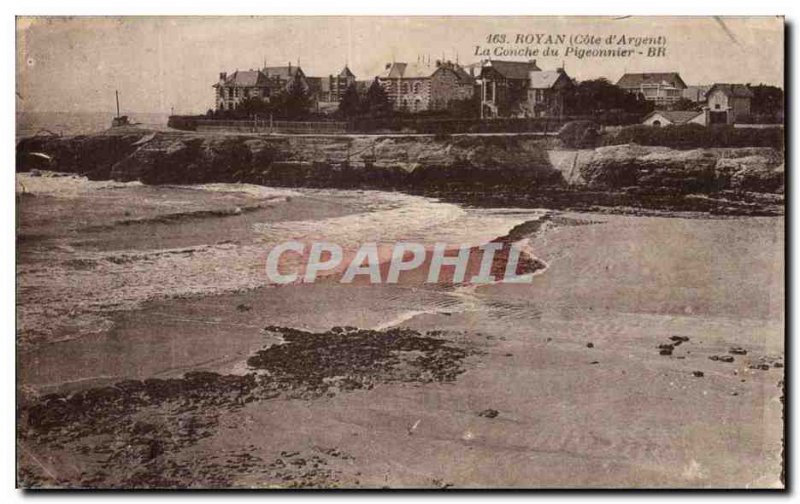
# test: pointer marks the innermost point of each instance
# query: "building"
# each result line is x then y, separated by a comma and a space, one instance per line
417, 87
265, 83
662, 88
504, 87
728, 103
333, 87
522, 89
669, 117
241, 85
546, 92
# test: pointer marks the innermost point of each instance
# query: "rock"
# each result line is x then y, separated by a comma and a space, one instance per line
698, 374
489, 413
737, 351
685, 171
679, 339
722, 358
666, 348
589, 345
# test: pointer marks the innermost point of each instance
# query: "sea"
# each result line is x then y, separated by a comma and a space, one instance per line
78, 123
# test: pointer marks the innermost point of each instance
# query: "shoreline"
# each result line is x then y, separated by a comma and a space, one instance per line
164, 433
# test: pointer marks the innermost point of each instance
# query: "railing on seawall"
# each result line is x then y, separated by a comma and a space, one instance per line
267, 126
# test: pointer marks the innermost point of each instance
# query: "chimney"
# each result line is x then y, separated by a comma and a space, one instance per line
290, 68
223, 76
388, 66
532, 62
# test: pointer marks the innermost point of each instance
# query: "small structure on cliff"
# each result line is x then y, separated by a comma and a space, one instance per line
668, 117
119, 120
728, 103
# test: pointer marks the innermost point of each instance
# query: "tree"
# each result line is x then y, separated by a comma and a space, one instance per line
767, 101
467, 107
684, 104
350, 105
599, 95
252, 106
377, 103
297, 100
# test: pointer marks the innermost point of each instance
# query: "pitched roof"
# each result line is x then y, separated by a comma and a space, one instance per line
635, 80
513, 69
737, 90
246, 78
284, 72
400, 70
346, 72
544, 79
462, 74
675, 116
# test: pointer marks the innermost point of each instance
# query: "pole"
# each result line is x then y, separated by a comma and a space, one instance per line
116, 93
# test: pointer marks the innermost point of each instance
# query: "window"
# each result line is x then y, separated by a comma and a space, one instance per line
417, 87
404, 88
716, 106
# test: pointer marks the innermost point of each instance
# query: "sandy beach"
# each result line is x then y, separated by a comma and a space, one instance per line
648, 353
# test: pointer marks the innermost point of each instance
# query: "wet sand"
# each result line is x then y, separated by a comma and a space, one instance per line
564, 382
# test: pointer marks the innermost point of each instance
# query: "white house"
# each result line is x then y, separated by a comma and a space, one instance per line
667, 117
728, 103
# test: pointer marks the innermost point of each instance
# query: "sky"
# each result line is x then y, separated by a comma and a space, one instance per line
164, 64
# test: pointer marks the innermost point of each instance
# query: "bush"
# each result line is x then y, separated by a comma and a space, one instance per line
579, 134
694, 136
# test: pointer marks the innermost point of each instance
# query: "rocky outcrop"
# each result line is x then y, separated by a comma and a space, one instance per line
377, 162
758, 169
461, 164
89, 155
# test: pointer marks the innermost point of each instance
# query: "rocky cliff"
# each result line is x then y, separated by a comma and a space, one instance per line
500, 169
379, 162
758, 169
